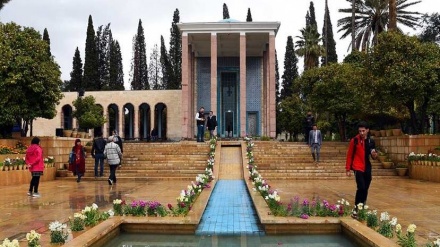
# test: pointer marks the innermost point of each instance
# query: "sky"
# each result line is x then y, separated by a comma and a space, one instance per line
66, 21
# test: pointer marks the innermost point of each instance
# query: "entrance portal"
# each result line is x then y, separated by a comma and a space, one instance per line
228, 104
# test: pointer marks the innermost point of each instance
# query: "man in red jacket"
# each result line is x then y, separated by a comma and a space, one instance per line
358, 161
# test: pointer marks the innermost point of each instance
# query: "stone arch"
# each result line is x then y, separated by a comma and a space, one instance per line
113, 118
144, 121
67, 117
160, 120
128, 121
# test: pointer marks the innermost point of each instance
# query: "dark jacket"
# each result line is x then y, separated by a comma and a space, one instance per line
119, 142
98, 146
358, 153
211, 123
312, 137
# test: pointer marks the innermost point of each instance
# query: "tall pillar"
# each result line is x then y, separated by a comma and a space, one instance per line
121, 122
105, 127
214, 73
265, 101
136, 123
186, 94
272, 86
242, 84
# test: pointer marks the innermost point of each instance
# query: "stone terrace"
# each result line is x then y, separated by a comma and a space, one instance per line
287, 160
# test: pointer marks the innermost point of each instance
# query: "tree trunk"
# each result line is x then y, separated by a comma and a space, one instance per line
392, 24
341, 125
413, 118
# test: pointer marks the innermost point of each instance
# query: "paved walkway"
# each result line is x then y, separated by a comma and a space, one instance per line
411, 201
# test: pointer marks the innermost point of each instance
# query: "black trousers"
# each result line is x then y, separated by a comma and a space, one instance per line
113, 172
363, 181
35, 181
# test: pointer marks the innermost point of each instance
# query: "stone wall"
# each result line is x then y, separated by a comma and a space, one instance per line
58, 147
171, 98
398, 147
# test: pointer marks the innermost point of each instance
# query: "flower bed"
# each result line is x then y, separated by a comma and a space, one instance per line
424, 166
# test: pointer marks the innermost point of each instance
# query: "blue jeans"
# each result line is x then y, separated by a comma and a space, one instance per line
99, 159
200, 133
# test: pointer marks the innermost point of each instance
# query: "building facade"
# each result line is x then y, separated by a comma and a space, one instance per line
228, 67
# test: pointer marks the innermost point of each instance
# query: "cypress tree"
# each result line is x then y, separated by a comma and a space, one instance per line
165, 64
139, 69
2, 3
277, 79
310, 23
290, 70
76, 76
155, 69
329, 43
175, 53
47, 39
103, 43
225, 11
116, 69
249, 16
91, 74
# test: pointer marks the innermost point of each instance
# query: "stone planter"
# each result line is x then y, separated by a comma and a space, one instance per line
17, 177
389, 132
387, 164
67, 133
397, 132
88, 149
401, 171
428, 173
62, 173
383, 133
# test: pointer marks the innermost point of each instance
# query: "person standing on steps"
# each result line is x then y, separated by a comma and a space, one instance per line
211, 124
118, 140
200, 121
98, 154
360, 149
315, 142
35, 162
308, 123
80, 159
114, 155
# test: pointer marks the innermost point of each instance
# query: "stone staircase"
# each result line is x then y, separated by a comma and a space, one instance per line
157, 161
289, 160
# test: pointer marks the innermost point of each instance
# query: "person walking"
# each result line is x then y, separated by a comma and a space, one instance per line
211, 124
79, 160
315, 142
200, 121
114, 155
98, 154
360, 149
35, 163
118, 140
309, 120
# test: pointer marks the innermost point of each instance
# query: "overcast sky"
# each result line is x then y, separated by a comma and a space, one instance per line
66, 21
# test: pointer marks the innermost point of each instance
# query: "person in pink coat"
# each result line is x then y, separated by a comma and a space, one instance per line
35, 163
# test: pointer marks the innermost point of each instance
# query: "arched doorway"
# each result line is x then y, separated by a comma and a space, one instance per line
113, 118
160, 120
144, 121
67, 117
128, 121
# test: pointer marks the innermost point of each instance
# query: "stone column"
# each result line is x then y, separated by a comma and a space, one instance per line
121, 122
265, 101
213, 106
136, 123
242, 84
272, 86
105, 127
186, 113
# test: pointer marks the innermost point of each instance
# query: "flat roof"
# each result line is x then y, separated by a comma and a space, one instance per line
229, 27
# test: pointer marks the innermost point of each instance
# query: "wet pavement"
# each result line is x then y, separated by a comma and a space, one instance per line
411, 201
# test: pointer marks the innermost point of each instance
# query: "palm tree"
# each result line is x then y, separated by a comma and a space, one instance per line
309, 47
372, 17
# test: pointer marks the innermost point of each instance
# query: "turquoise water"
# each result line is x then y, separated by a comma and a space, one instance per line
230, 211
152, 240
